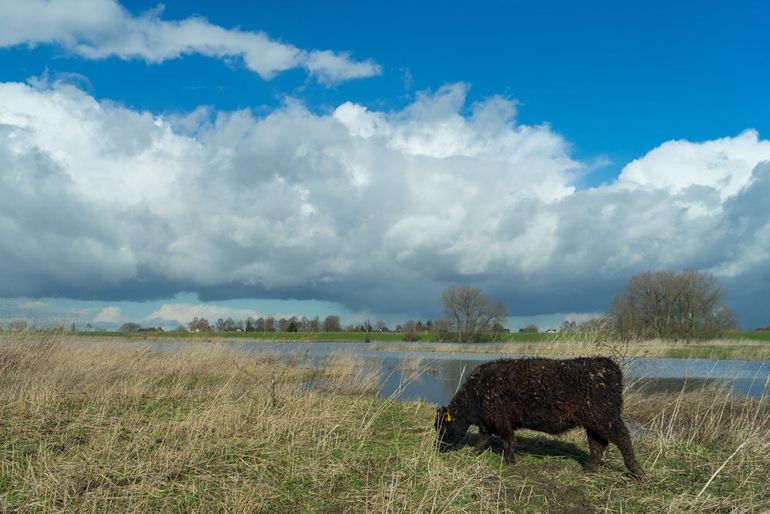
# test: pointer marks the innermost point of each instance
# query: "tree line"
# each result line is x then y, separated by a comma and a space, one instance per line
663, 304
678, 305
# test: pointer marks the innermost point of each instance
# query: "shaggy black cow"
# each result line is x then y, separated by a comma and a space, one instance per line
547, 395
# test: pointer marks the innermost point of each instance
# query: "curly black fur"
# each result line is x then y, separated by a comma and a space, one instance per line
547, 395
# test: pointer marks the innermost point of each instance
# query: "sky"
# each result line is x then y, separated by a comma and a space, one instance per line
165, 161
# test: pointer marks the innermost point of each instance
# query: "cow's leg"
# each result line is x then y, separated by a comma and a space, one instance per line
620, 436
509, 445
482, 444
596, 446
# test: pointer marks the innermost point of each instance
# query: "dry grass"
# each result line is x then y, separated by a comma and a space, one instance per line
206, 430
590, 344
111, 429
708, 432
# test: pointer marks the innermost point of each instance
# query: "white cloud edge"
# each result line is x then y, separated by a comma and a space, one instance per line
104, 28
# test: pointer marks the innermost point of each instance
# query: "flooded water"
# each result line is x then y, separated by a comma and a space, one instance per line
435, 376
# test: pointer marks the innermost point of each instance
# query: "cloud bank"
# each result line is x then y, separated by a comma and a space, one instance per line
379, 211
98, 29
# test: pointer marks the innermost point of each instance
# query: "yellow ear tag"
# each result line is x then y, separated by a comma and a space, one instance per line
448, 417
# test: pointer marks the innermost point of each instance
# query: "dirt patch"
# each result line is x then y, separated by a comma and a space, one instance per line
543, 478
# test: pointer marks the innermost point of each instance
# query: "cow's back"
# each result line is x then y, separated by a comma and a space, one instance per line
549, 395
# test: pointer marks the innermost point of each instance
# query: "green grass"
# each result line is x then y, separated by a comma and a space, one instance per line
315, 336
255, 336
752, 336
513, 337
717, 352
207, 430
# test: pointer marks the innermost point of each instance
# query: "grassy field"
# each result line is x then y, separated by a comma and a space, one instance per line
255, 336
512, 337
117, 429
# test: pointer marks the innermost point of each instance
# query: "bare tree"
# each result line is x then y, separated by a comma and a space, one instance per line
200, 325
664, 304
470, 313
18, 325
332, 324
411, 331
130, 327
439, 330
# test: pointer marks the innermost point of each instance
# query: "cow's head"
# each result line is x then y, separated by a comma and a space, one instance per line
450, 429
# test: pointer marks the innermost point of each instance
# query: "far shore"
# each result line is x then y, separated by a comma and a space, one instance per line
740, 346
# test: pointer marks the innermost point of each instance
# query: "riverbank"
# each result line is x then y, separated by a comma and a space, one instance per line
117, 428
732, 347
722, 349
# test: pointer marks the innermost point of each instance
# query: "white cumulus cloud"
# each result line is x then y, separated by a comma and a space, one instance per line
725, 164
378, 210
109, 315
184, 312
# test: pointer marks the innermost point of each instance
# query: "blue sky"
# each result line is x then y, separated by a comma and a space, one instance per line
568, 114
616, 79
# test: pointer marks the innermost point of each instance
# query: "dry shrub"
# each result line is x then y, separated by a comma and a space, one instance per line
710, 415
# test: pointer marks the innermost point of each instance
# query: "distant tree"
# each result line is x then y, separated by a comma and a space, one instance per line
380, 326
666, 304
269, 324
315, 324
229, 325
470, 313
18, 325
440, 330
130, 327
598, 325
568, 327
292, 327
180, 328
529, 329
249, 324
259, 325
411, 331
200, 325
332, 324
